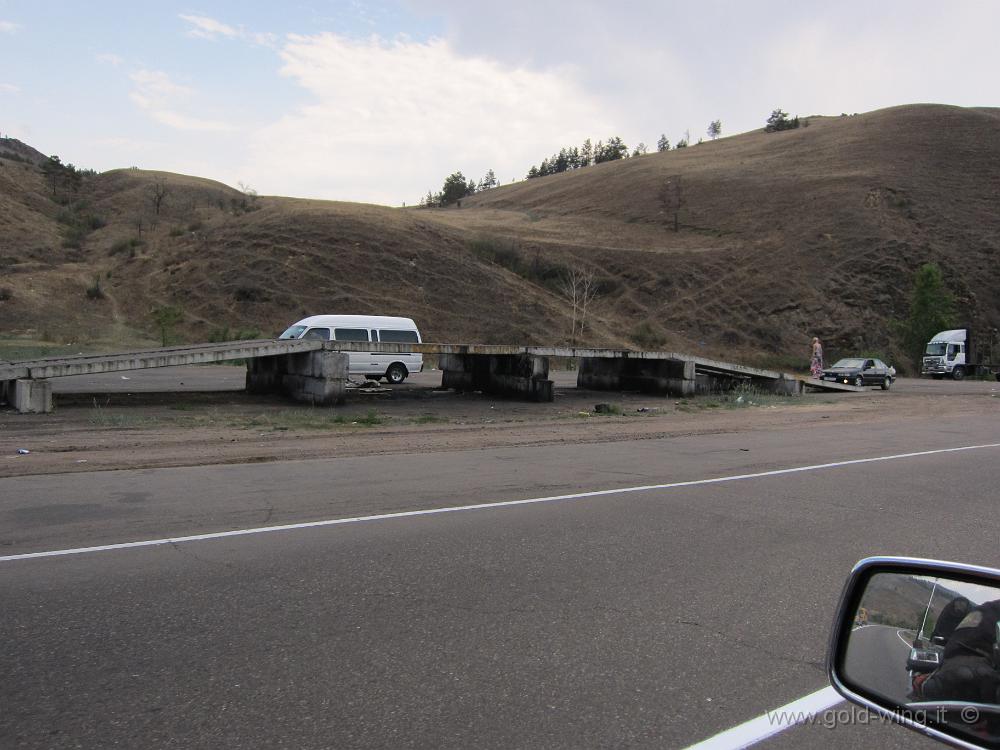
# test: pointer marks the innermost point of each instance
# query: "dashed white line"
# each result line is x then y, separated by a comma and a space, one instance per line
484, 506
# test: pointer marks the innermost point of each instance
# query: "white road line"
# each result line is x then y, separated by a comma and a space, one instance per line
753, 731
483, 506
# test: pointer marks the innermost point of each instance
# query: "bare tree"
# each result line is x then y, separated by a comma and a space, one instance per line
579, 287
158, 191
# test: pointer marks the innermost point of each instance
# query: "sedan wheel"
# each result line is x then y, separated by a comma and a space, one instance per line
886, 383
859, 382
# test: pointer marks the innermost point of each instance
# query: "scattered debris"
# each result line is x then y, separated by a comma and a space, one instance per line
125, 378
23, 451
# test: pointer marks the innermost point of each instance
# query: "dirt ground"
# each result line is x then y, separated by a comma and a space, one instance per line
187, 417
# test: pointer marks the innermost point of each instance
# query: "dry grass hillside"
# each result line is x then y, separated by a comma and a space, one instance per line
780, 236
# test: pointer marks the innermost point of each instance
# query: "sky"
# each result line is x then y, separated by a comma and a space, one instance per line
379, 101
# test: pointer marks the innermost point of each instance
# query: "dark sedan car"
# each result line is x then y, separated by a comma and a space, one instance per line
861, 372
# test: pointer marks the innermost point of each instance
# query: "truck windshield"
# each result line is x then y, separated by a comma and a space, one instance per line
936, 349
292, 333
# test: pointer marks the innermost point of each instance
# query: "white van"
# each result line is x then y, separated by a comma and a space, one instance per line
374, 328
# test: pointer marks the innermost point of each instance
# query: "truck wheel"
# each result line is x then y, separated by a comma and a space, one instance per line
886, 383
958, 373
396, 374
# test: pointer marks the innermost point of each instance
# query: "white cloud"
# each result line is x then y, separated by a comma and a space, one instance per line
109, 58
944, 56
9, 27
204, 27
390, 119
9, 88
161, 98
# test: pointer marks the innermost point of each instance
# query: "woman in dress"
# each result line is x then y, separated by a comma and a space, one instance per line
816, 364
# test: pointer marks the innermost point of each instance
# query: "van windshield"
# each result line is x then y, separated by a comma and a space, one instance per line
936, 349
292, 333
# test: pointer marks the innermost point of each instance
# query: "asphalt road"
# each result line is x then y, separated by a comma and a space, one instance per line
876, 658
653, 618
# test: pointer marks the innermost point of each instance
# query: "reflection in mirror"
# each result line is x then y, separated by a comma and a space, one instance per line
931, 648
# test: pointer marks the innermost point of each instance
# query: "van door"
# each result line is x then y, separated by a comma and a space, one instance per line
358, 362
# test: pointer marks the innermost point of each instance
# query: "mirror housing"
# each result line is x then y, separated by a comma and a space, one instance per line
892, 602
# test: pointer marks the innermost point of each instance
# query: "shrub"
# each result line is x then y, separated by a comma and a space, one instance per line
217, 335
125, 246
250, 294
6, 293
74, 235
94, 291
507, 253
779, 121
647, 337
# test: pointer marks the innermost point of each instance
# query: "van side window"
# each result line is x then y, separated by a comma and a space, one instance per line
351, 334
398, 337
321, 334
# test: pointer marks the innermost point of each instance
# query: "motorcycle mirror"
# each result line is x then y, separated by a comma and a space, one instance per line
917, 641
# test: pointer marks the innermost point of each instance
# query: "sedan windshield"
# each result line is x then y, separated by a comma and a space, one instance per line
848, 363
936, 349
292, 333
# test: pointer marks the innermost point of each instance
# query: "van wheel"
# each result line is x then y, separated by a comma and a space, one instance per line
396, 374
958, 373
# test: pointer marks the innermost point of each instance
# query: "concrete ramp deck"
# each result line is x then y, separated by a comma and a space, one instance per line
317, 371
141, 359
831, 385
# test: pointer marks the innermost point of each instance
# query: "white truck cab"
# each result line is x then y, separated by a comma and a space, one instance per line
946, 354
366, 328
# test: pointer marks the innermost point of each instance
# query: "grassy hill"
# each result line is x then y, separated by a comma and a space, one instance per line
779, 237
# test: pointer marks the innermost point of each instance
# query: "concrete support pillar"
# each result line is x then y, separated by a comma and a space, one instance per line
675, 377
782, 386
518, 375
7, 392
33, 396
318, 377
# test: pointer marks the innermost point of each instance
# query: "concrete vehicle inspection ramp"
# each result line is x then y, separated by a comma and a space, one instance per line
831, 385
316, 371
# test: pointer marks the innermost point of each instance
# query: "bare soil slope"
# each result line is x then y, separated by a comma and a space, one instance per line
780, 236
